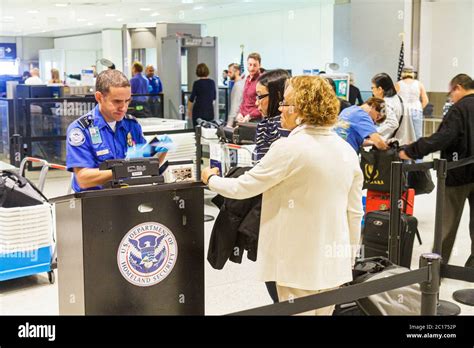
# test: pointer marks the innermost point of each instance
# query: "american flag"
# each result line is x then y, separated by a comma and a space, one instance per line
401, 62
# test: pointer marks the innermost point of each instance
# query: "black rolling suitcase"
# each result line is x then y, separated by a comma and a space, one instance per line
376, 231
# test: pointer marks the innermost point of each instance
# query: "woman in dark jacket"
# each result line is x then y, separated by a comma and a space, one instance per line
203, 95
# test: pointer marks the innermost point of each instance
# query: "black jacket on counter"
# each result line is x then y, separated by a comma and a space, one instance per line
236, 227
455, 139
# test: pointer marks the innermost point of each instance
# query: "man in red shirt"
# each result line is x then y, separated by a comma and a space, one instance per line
248, 109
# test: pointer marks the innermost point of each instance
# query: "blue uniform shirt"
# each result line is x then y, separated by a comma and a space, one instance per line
139, 85
154, 85
91, 141
354, 125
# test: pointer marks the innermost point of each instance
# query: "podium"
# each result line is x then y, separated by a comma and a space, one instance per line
131, 251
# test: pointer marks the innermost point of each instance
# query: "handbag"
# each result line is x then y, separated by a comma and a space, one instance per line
376, 164
242, 134
421, 182
376, 167
18, 191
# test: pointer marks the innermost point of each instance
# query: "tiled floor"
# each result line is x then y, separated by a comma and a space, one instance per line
235, 287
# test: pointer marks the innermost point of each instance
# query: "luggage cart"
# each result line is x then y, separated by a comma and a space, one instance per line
27, 234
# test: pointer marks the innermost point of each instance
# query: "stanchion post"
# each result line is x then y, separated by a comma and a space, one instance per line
16, 150
395, 212
441, 172
430, 288
198, 153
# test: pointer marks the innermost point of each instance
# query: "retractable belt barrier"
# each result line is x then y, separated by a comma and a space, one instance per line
342, 295
428, 275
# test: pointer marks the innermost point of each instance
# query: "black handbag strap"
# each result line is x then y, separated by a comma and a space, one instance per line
401, 117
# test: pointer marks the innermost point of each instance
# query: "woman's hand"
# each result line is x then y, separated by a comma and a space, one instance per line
207, 172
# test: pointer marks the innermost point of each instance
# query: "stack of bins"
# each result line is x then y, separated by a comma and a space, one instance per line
26, 240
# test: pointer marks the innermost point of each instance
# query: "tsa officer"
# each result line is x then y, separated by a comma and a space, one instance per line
105, 133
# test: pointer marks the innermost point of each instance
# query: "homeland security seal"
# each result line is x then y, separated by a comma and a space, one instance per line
147, 254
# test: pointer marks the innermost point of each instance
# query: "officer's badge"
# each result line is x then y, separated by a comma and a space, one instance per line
130, 141
76, 137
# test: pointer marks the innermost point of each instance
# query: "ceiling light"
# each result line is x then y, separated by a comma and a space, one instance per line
110, 15
32, 11
187, 1
155, 14
81, 19
145, 9
119, 19
90, 23
61, 5
8, 18
198, 7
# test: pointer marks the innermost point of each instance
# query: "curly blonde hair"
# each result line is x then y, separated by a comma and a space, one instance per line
315, 100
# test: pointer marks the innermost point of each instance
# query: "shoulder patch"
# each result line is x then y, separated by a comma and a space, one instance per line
130, 117
85, 121
76, 137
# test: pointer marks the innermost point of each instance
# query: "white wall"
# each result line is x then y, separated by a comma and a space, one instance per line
447, 42
112, 48
296, 39
80, 42
366, 37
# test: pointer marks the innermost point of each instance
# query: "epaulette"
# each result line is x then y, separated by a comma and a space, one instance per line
131, 117
85, 121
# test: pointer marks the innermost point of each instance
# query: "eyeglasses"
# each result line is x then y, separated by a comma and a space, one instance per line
283, 104
260, 97
451, 91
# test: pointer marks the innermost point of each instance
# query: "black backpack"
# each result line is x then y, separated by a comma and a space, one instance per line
18, 191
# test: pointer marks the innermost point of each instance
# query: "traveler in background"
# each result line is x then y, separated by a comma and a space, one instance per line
25, 76
414, 95
225, 77
55, 79
236, 94
312, 196
354, 92
34, 79
356, 124
383, 87
230, 74
154, 82
202, 98
343, 104
455, 139
248, 110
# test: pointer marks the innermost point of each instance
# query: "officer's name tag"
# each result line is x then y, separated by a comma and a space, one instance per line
102, 152
95, 135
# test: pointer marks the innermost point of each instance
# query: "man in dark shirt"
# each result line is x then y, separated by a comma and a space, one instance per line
455, 139
354, 92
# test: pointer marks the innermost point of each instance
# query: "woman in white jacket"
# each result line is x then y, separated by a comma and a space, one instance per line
398, 123
312, 190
